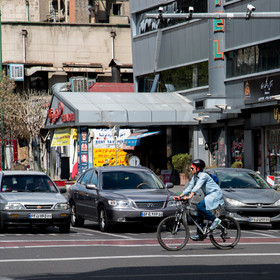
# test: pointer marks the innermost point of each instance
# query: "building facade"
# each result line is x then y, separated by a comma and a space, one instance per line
49, 41
229, 68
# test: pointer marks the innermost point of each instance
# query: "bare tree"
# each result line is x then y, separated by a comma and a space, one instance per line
25, 113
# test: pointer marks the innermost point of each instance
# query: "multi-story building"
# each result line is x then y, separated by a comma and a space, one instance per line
229, 68
50, 41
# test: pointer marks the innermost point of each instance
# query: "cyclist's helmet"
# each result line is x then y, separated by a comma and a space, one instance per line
199, 164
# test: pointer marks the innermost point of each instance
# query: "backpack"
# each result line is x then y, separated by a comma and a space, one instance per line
214, 177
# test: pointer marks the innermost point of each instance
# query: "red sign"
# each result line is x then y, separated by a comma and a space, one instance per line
55, 114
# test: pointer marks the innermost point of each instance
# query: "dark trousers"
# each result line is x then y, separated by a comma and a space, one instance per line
203, 213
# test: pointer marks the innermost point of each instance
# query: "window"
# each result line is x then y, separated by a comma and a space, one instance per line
86, 177
179, 6
177, 79
116, 9
94, 178
253, 59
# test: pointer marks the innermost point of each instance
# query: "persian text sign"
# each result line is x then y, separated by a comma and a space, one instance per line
61, 137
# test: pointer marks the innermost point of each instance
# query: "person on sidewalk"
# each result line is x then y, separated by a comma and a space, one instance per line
213, 196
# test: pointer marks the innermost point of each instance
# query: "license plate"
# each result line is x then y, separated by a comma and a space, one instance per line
40, 216
259, 220
151, 214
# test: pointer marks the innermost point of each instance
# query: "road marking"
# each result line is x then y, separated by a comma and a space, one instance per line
142, 257
260, 233
93, 231
118, 242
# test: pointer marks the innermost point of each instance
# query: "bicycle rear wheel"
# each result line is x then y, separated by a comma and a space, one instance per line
170, 238
227, 234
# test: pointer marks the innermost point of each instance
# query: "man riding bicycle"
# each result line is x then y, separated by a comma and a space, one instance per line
213, 196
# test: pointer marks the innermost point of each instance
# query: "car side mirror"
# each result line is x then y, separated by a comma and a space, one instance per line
62, 190
92, 187
169, 185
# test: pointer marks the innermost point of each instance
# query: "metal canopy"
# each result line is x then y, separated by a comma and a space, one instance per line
130, 109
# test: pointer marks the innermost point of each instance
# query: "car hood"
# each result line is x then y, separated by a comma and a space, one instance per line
143, 195
33, 198
252, 195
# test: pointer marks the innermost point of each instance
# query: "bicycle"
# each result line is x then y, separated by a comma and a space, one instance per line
173, 232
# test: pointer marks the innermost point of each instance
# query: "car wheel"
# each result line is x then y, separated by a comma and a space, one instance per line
103, 220
65, 228
75, 219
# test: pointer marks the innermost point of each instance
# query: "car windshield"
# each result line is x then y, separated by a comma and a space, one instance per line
241, 179
27, 183
122, 180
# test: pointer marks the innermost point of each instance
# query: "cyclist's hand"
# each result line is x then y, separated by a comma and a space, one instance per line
176, 198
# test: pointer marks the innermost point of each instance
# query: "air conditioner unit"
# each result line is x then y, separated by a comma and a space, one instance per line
16, 71
79, 84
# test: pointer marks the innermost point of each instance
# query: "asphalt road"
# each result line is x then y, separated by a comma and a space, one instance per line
133, 253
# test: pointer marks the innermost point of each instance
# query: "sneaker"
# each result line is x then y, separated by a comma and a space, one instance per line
215, 223
197, 238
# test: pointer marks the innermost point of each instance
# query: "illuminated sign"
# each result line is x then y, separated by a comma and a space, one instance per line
55, 114
218, 26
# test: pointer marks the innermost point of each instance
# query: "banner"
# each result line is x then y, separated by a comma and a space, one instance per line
108, 157
61, 137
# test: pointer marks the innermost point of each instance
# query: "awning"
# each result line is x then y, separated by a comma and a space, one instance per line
135, 140
127, 109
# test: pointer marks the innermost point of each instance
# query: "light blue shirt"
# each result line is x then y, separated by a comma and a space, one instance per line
213, 194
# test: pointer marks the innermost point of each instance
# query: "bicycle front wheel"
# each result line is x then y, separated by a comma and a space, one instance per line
227, 234
171, 236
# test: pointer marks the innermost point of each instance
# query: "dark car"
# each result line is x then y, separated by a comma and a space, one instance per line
119, 194
31, 198
248, 197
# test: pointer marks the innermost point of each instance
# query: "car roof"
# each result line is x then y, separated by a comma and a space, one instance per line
21, 172
229, 169
120, 168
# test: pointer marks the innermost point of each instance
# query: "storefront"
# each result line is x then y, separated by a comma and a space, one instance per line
86, 111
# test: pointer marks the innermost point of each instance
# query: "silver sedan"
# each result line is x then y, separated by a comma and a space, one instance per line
31, 198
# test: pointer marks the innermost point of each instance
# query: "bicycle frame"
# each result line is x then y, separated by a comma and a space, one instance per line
185, 208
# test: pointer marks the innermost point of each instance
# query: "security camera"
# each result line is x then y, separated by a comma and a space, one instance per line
251, 8
191, 9
160, 10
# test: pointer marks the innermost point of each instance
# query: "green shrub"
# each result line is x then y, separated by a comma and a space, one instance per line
182, 163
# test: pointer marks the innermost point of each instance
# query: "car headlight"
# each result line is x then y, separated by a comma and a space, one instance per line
119, 203
62, 206
14, 206
233, 202
172, 203
277, 203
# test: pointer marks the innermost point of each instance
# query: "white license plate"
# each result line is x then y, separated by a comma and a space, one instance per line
259, 220
151, 214
40, 216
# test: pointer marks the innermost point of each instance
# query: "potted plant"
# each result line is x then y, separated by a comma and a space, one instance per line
182, 164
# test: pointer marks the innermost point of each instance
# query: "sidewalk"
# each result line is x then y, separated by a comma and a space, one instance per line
177, 189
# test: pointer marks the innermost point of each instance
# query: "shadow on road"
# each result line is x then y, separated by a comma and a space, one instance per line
197, 272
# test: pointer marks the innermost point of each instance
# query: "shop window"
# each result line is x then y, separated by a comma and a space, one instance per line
217, 148
273, 152
237, 145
